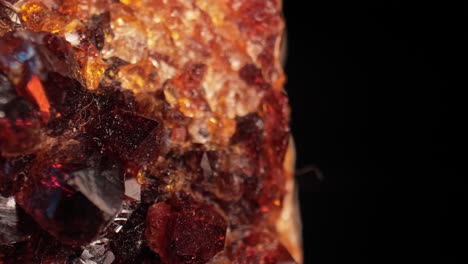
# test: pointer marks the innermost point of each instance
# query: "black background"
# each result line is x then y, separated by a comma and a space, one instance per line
370, 84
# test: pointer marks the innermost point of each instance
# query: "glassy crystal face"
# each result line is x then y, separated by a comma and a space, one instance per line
142, 132
11, 229
73, 192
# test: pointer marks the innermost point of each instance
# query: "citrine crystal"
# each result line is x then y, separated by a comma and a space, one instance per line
145, 131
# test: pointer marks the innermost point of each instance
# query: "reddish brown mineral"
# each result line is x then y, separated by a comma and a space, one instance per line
148, 131
191, 233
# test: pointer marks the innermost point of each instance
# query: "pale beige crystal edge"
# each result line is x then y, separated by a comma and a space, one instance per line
289, 224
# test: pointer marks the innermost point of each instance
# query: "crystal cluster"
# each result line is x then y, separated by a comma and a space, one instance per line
149, 131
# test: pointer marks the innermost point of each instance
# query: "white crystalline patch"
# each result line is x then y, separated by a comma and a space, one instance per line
154, 62
11, 203
117, 230
235, 63
254, 49
166, 71
86, 255
191, 15
73, 38
133, 189
97, 252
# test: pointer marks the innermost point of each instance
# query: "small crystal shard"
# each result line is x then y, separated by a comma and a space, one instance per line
10, 225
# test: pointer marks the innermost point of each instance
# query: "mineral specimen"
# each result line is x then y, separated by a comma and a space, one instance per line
147, 131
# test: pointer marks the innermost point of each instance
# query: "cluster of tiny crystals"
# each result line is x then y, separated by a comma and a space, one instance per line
150, 131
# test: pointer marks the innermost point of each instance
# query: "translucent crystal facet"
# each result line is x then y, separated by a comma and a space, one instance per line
73, 192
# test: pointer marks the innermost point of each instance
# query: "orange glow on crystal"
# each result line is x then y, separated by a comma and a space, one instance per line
277, 202
141, 179
36, 89
34, 14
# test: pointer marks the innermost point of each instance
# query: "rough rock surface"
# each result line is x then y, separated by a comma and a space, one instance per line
149, 131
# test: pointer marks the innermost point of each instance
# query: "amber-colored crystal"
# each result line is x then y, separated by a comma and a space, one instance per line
141, 77
92, 65
35, 14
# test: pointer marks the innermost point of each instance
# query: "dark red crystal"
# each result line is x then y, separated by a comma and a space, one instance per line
24, 55
67, 98
73, 192
40, 90
191, 235
38, 248
251, 75
20, 124
12, 173
123, 133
